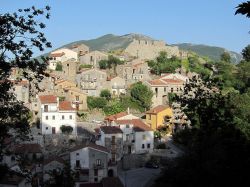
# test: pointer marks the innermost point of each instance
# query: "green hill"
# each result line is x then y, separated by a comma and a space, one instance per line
211, 52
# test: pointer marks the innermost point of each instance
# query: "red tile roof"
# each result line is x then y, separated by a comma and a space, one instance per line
46, 99
157, 109
138, 125
57, 54
116, 116
157, 82
90, 145
55, 158
65, 105
27, 148
111, 129
173, 81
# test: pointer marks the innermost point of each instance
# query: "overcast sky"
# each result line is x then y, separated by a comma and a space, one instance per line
210, 22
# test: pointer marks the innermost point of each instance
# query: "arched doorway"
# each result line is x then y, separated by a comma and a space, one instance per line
110, 173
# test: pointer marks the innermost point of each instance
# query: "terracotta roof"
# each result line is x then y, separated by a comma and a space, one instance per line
51, 159
45, 99
65, 105
90, 145
27, 148
111, 129
157, 109
57, 54
116, 116
112, 181
157, 82
138, 125
173, 81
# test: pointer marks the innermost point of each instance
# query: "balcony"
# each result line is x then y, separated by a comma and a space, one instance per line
98, 166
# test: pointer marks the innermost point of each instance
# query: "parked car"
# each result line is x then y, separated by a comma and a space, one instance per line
152, 165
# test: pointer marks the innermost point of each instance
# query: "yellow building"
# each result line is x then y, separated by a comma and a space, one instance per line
158, 116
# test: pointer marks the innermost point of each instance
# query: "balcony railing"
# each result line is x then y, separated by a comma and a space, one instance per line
98, 166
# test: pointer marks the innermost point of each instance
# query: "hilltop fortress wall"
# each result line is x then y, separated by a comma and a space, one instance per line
149, 49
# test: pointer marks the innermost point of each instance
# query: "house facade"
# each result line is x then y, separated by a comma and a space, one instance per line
93, 57
92, 81
90, 162
159, 116
117, 86
54, 114
163, 86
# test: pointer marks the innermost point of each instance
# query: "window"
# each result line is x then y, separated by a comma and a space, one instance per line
142, 146
127, 126
46, 108
77, 98
148, 145
77, 154
47, 128
96, 179
46, 117
70, 116
98, 162
165, 89
53, 117
149, 116
144, 137
95, 172
62, 117
156, 91
78, 163
127, 137
172, 89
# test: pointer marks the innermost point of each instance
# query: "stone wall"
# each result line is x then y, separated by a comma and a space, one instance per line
144, 49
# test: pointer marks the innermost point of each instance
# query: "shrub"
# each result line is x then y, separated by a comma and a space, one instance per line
66, 129
59, 66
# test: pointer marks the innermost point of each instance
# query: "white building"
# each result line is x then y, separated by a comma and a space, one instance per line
54, 114
61, 55
137, 136
90, 162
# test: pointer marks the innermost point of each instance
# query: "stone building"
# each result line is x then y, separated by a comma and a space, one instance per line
134, 71
117, 86
149, 49
69, 68
169, 83
80, 49
93, 58
92, 81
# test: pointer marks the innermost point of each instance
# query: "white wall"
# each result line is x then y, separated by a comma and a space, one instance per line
83, 157
148, 140
68, 54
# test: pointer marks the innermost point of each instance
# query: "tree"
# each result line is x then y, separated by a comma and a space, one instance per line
20, 33
212, 144
225, 56
66, 129
103, 64
59, 66
244, 9
113, 62
113, 107
246, 53
96, 102
106, 94
141, 94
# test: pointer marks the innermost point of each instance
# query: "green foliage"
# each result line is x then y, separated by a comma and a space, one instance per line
82, 115
171, 98
163, 64
218, 149
113, 107
96, 102
105, 94
141, 94
20, 35
61, 98
66, 129
59, 66
246, 53
243, 75
82, 66
128, 102
157, 134
103, 64
225, 56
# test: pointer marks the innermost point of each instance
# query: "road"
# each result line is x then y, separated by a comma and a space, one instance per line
138, 177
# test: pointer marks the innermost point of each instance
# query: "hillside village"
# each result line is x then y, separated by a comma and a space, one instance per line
69, 134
